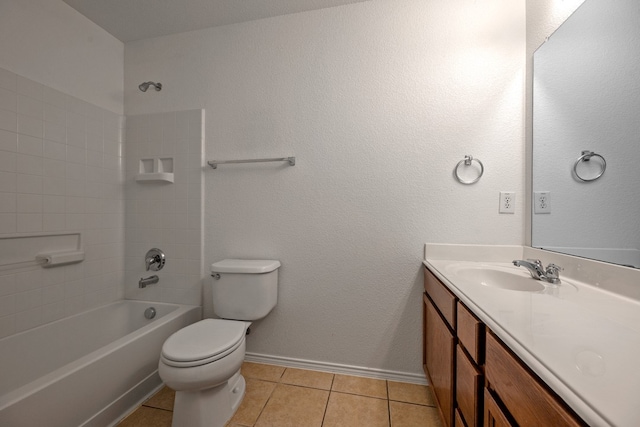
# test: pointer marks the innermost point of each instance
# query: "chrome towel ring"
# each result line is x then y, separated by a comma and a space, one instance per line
586, 157
467, 162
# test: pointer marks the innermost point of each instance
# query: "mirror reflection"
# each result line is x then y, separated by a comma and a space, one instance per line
586, 99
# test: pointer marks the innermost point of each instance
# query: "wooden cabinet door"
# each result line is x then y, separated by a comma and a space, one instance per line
439, 355
468, 389
493, 415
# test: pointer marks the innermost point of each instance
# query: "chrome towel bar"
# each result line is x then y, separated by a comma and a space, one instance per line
214, 163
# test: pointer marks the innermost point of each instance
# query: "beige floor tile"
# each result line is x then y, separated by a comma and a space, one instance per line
410, 415
163, 399
148, 417
306, 378
292, 406
256, 396
410, 393
346, 410
359, 385
260, 371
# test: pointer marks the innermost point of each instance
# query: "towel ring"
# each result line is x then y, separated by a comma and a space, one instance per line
467, 162
585, 157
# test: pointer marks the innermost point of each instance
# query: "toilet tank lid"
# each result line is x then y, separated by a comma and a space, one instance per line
247, 266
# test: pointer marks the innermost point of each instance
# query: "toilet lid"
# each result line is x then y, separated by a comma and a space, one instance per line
203, 342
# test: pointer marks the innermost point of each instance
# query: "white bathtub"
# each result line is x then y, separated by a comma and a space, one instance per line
86, 370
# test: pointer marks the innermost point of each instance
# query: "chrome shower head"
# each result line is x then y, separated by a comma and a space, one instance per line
144, 86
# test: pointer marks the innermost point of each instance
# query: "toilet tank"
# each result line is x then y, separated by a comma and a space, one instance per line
244, 289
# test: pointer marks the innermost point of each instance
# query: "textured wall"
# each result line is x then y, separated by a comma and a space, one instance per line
378, 100
49, 42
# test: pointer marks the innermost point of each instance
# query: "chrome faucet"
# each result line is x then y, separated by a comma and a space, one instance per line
550, 274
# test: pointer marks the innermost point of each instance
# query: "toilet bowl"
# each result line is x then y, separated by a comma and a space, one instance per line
202, 361
202, 364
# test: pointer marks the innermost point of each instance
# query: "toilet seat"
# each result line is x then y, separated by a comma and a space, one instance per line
203, 342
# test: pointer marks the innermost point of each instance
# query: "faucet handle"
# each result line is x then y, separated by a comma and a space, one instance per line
535, 261
552, 272
553, 268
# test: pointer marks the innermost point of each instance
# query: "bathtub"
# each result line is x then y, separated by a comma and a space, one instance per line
89, 369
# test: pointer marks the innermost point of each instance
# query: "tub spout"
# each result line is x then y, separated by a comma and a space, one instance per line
151, 280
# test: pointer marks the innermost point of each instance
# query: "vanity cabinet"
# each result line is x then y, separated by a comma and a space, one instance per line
452, 346
477, 380
522, 395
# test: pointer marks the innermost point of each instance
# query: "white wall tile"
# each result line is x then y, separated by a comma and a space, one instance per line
8, 203
8, 182
50, 194
8, 120
54, 150
8, 100
30, 145
8, 223
7, 161
28, 164
55, 132
30, 107
55, 114
29, 223
7, 79
29, 203
30, 126
31, 184
8, 141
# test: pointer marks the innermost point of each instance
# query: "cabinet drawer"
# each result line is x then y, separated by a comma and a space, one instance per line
470, 333
468, 388
441, 297
527, 399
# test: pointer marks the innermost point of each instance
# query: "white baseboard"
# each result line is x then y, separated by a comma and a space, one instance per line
336, 368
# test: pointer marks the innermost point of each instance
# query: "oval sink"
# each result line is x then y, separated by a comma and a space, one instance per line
497, 277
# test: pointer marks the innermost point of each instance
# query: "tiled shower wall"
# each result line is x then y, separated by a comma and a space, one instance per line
60, 170
165, 215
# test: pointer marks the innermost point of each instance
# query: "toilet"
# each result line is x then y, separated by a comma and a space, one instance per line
201, 362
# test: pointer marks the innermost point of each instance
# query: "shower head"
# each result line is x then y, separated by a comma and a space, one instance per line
144, 86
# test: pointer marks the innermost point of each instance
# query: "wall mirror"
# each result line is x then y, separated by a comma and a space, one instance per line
586, 97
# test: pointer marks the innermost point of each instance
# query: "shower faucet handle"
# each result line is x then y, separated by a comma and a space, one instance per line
154, 259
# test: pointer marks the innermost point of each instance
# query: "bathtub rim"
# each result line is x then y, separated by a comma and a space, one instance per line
14, 396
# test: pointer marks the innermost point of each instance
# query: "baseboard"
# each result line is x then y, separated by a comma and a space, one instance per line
336, 368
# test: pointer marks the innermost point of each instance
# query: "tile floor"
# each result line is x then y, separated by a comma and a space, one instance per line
288, 397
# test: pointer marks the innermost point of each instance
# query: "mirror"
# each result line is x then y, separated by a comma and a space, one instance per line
586, 97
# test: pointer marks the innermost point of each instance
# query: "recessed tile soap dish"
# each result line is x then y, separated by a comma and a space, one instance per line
159, 169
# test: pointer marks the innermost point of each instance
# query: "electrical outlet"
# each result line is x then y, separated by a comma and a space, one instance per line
507, 202
542, 202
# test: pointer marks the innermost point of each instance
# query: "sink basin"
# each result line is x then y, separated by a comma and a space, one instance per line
500, 277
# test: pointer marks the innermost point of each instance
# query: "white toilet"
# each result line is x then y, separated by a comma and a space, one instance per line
202, 361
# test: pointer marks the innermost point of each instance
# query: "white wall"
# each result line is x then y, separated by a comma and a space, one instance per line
60, 157
49, 42
165, 215
378, 101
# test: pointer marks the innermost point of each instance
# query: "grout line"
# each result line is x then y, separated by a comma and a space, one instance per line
388, 404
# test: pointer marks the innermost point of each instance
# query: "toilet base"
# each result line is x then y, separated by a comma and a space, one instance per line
211, 407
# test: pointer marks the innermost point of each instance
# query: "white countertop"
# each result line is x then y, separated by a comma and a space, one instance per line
582, 340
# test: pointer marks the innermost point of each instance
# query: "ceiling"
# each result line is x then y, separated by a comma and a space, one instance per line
129, 20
